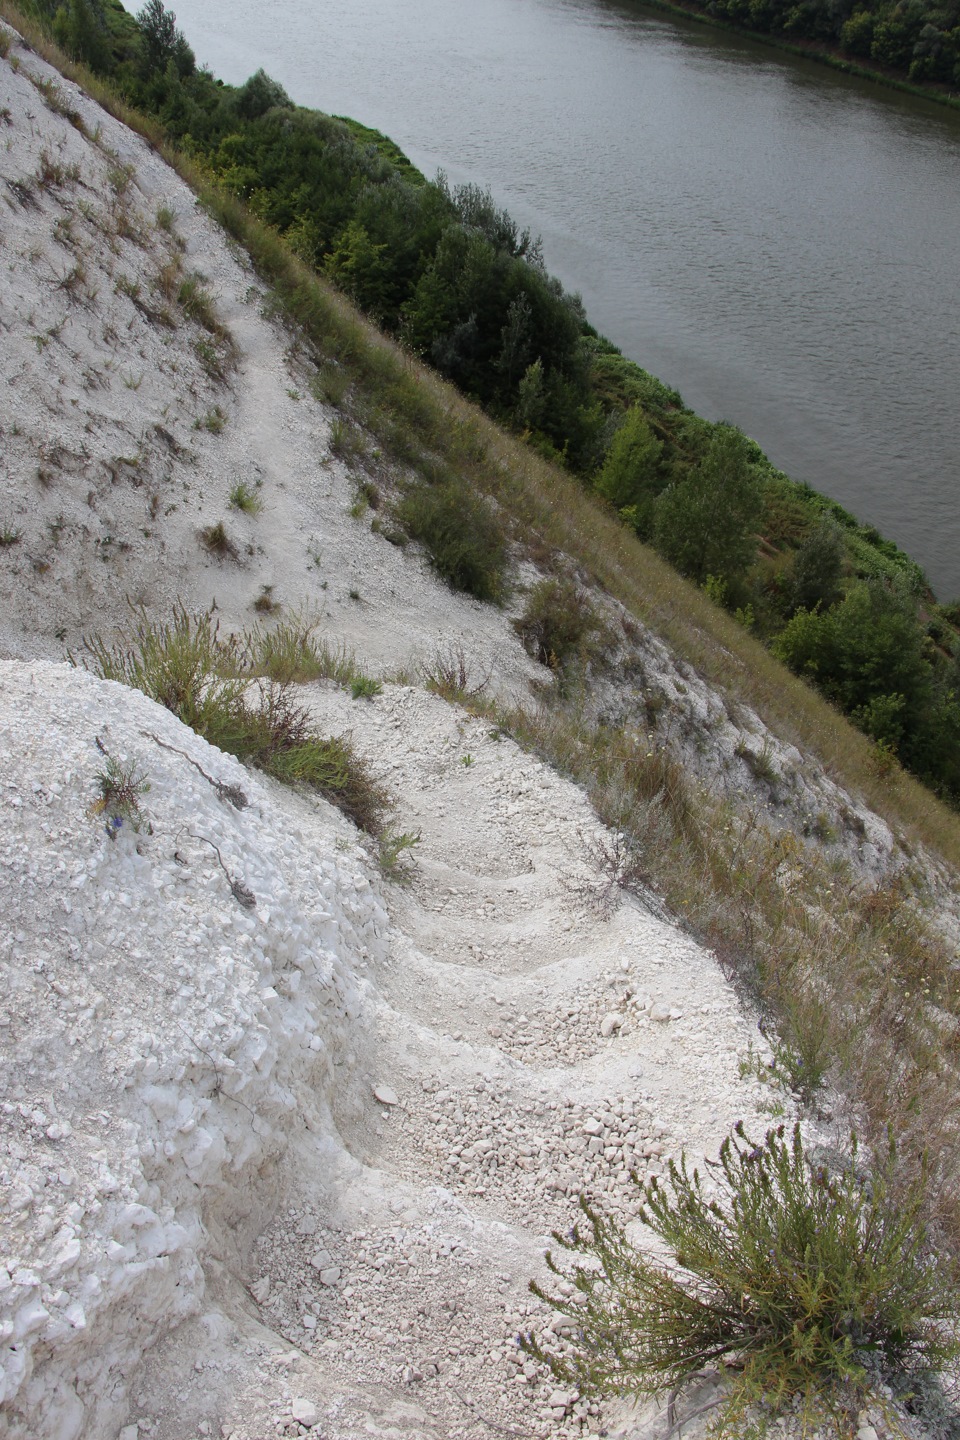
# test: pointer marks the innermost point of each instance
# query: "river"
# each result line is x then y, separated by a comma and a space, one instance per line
779, 242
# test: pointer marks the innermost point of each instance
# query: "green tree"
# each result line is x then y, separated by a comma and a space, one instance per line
866, 654
704, 523
261, 94
360, 268
631, 474
818, 567
162, 42
78, 28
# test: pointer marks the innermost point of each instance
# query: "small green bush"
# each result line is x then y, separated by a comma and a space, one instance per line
121, 787
810, 1285
394, 854
333, 767
185, 666
462, 536
292, 651
197, 304
558, 624
214, 420
364, 687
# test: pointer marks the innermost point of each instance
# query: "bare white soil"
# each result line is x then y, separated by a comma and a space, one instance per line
282, 1142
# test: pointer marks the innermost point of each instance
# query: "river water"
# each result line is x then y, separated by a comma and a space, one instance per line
778, 242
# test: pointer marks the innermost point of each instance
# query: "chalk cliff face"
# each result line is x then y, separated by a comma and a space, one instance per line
281, 1140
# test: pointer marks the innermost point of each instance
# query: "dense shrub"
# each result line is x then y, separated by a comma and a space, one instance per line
705, 523
809, 1282
558, 624
631, 476
462, 536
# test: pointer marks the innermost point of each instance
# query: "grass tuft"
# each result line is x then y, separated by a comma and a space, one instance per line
206, 682
364, 687
246, 498
292, 651
395, 854
214, 538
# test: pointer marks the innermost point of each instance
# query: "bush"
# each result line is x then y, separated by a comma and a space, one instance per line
292, 651
630, 477
558, 623
818, 567
462, 536
812, 1286
335, 769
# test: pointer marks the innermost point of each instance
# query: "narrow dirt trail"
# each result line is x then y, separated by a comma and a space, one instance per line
530, 1043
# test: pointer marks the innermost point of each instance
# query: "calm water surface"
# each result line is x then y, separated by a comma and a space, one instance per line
780, 243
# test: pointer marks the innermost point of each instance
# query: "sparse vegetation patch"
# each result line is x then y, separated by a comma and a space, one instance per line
462, 536
206, 682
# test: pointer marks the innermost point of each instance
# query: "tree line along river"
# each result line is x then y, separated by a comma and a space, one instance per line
779, 242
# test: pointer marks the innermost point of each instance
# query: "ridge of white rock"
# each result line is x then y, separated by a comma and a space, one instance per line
163, 1045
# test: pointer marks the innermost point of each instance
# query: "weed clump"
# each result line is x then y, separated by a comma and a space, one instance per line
121, 787
244, 497
463, 537
364, 687
449, 675
215, 539
810, 1285
395, 854
292, 651
207, 683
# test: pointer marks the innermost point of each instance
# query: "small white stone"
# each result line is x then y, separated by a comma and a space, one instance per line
330, 1276
305, 1412
610, 1022
560, 1399
386, 1095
